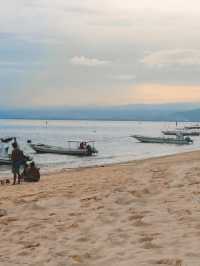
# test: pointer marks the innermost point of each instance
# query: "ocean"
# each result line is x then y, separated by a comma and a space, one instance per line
112, 140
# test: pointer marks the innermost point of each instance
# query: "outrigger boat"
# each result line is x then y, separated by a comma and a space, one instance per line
179, 140
181, 131
197, 126
5, 157
4, 147
80, 149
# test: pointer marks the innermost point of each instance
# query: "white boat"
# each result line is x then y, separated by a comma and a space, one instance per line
179, 140
74, 148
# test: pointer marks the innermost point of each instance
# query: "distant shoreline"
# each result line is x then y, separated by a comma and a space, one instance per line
183, 112
106, 120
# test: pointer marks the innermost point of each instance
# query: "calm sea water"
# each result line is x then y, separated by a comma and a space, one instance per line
112, 139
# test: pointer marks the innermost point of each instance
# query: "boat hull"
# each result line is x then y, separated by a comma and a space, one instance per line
192, 127
162, 140
61, 151
5, 161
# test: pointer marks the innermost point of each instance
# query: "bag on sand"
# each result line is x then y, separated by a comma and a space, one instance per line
31, 173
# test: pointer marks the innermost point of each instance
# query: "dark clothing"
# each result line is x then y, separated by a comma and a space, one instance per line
17, 158
16, 167
31, 174
89, 150
17, 155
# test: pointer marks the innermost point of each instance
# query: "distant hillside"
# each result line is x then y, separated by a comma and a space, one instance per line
192, 115
139, 112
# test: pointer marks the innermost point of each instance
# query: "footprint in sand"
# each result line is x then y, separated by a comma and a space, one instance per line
147, 242
123, 198
171, 262
107, 218
80, 258
193, 179
116, 238
141, 194
3, 212
30, 245
159, 174
82, 239
137, 219
7, 220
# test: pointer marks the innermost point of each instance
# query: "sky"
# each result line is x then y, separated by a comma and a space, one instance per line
99, 52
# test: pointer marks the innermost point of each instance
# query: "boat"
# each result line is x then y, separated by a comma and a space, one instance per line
4, 147
5, 155
5, 161
179, 140
74, 148
181, 131
197, 126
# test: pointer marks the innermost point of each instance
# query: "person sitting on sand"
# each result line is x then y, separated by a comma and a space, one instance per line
31, 173
17, 158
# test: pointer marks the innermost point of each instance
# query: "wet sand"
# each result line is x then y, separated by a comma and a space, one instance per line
138, 213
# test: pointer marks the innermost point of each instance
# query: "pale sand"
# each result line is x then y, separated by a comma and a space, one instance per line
138, 213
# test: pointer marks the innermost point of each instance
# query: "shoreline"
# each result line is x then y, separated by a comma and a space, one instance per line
63, 170
143, 212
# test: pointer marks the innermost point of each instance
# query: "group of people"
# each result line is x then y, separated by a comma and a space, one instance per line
22, 170
84, 145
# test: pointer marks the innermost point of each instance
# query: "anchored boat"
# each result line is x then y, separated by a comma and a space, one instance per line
197, 126
4, 147
182, 132
74, 148
5, 156
179, 140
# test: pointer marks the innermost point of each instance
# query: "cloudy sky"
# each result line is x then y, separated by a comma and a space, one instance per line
99, 52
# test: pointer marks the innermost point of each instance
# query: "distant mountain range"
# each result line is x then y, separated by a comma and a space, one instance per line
138, 112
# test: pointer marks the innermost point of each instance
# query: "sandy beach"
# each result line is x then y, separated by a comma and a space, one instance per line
140, 213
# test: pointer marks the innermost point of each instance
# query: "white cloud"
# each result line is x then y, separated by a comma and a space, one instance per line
181, 57
85, 61
75, 36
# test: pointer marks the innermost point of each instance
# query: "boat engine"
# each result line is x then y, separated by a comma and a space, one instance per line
189, 140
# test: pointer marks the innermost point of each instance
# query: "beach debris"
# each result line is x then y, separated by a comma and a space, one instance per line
3, 212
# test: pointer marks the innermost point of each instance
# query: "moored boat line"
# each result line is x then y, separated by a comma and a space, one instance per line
60, 146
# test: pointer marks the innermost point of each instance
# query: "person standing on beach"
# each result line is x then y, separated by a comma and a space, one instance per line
17, 158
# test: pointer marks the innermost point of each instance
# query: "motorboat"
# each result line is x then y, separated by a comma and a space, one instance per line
74, 148
179, 139
181, 131
197, 126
